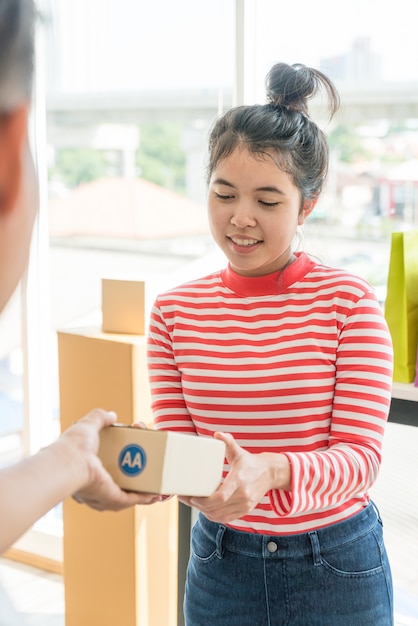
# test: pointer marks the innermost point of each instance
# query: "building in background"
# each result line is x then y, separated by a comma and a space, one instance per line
360, 65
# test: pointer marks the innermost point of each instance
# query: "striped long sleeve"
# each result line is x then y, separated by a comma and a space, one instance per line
298, 363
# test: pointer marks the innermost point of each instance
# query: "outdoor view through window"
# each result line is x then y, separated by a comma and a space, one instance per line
130, 90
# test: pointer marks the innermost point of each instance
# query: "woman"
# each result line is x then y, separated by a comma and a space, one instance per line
290, 363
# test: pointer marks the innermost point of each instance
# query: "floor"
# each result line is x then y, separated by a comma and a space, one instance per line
40, 595
37, 594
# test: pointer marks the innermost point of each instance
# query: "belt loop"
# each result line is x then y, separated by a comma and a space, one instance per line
376, 510
316, 549
219, 538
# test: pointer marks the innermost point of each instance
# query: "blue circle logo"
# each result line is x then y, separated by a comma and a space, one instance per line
132, 460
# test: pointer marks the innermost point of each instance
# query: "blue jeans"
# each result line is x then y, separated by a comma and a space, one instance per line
335, 576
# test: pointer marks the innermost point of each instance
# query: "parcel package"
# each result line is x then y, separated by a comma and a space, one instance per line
163, 462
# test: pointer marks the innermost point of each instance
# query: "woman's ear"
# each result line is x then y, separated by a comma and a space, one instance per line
307, 208
13, 132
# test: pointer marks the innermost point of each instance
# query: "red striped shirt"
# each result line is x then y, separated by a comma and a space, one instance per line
298, 362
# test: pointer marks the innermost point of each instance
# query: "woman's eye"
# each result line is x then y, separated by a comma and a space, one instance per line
268, 204
221, 196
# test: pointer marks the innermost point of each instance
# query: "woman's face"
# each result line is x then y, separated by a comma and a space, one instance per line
254, 210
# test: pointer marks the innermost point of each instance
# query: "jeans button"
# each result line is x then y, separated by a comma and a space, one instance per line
272, 546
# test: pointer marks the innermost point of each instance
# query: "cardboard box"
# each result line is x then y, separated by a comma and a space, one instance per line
123, 306
106, 370
162, 462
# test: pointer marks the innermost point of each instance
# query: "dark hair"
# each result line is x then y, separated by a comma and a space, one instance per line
16, 52
281, 126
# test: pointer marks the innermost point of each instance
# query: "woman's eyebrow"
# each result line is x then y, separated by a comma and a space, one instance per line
222, 181
270, 188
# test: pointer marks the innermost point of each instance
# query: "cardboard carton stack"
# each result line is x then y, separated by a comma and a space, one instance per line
119, 568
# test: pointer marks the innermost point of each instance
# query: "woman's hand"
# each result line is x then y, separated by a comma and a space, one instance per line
250, 477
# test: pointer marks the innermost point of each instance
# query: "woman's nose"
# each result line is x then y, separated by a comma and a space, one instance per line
242, 218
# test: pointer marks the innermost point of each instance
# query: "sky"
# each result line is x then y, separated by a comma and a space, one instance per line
140, 44
328, 27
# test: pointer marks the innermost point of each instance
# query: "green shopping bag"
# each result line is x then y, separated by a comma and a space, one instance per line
401, 307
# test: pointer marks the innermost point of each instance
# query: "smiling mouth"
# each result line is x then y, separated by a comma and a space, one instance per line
244, 242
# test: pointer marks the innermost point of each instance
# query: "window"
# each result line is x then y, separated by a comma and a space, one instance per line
369, 51
131, 88
125, 93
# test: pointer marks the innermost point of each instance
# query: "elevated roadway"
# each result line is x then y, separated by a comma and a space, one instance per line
359, 103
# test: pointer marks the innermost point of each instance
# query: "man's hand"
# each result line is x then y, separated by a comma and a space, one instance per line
97, 489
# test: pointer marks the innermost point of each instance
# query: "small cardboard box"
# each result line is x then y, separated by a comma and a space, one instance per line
163, 462
123, 305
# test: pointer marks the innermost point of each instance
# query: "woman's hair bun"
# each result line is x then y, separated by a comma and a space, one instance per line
291, 86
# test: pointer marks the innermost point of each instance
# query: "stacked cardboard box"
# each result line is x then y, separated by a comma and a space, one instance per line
119, 568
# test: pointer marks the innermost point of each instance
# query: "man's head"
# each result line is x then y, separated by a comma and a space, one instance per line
18, 187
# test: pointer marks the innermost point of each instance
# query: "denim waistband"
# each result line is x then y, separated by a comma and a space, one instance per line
279, 546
